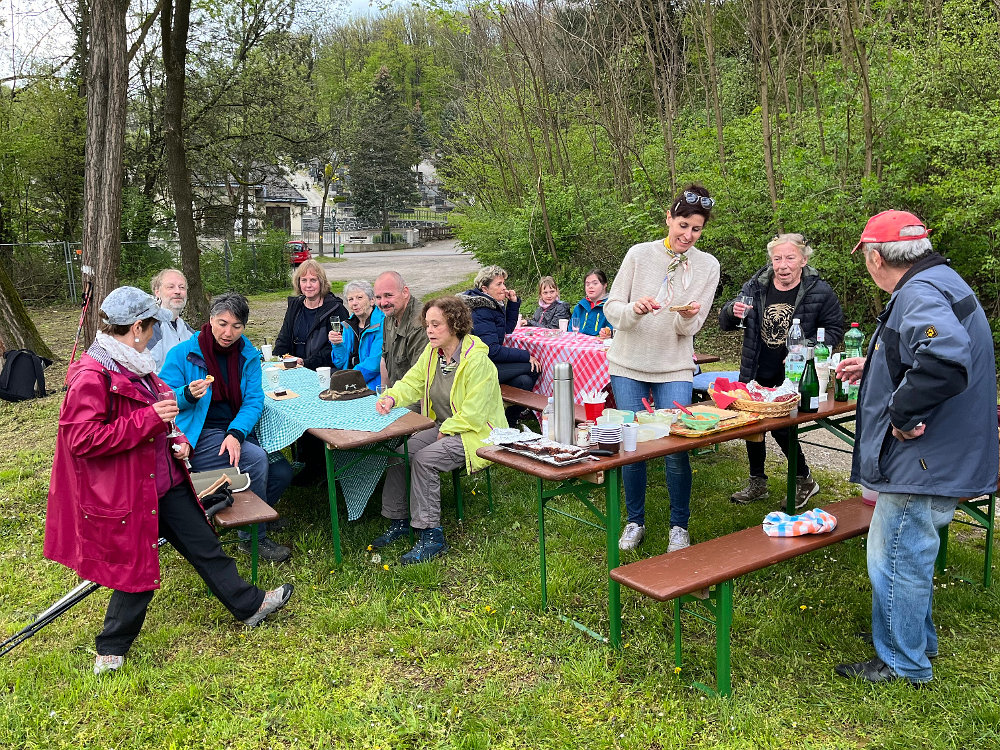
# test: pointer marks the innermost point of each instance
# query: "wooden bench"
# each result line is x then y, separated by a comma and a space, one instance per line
535, 401
683, 576
247, 510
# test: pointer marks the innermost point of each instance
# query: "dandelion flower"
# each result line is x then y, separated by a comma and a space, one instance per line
677, 670
803, 607
385, 567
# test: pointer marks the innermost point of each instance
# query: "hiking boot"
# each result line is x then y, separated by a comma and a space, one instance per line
430, 544
679, 539
755, 490
107, 663
631, 537
274, 600
267, 550
805, 488
875, 671
398, 528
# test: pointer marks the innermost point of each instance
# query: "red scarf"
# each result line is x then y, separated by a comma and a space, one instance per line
228, 388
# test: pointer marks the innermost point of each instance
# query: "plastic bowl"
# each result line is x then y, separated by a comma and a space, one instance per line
700, 421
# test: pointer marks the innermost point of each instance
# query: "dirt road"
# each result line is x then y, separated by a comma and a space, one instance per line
426, 269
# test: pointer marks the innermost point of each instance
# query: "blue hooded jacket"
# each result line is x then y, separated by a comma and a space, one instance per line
185, 362
589, 317
930, 361
369, 349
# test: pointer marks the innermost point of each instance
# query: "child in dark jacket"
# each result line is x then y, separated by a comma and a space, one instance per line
550, 308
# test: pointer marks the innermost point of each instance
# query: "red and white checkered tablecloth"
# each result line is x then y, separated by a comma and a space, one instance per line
587, 355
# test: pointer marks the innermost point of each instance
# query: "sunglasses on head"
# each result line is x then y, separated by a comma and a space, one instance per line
694, 199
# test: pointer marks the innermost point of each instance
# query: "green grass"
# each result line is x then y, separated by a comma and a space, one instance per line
453, 289
456, 654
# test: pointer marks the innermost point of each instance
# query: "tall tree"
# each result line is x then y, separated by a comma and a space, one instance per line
384, 154
107, 81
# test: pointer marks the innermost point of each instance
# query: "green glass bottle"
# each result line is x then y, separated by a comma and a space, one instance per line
809, 388
839, 388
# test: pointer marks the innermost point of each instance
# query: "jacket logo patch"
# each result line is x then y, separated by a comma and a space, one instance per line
931, 332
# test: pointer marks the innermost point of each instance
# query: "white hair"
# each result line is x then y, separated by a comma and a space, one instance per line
359, 285
902, 253
790, 238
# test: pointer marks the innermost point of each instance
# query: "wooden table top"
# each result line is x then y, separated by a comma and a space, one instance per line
659, 447
343, 440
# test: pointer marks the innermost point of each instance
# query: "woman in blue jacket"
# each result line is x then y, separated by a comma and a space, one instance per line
216, 376
588, 315
359, 345
495, 312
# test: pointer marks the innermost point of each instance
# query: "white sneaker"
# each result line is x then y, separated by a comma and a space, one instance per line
631, 537
679, 539
107, 663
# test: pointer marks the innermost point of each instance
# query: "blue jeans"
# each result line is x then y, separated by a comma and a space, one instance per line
628, 395
902, 546
267, 480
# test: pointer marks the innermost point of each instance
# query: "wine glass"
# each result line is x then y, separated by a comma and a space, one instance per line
747, 301
170, 396
335, 325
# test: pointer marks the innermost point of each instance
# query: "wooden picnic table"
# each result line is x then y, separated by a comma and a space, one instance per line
364, 444
570, 480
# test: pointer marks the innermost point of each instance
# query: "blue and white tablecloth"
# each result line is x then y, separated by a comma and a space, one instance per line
283, 422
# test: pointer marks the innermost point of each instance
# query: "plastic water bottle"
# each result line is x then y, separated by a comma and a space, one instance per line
547, 416
795, 361
853, 341
821, 358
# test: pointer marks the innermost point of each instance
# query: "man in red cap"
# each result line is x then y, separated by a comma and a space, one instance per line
926, 433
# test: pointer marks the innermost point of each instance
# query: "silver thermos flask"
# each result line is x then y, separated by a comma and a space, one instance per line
562, 403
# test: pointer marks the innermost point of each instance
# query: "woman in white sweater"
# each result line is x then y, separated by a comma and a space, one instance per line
659, 300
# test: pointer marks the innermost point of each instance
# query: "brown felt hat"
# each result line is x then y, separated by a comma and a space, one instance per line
346, 385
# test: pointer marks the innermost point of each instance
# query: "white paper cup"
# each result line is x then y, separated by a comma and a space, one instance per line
630, 436
266, 351
323, 375
563, 325
273, 377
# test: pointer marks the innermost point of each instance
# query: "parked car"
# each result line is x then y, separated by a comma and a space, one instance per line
301, 252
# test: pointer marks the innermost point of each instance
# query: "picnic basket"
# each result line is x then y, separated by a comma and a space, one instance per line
764, 408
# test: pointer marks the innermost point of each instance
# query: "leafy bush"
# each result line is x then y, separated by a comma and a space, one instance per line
248, 267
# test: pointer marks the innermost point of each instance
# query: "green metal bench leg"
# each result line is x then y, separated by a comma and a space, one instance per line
723, 633
719, 606
253, 554
456, 481
941, 561
331, 483
991, 515
489, 489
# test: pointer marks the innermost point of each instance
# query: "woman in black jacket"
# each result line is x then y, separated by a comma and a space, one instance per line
307, 320
787, 288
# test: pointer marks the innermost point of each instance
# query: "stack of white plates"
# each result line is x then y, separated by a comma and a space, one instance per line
606, 433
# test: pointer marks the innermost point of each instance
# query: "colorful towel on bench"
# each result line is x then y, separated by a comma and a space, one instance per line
814, 521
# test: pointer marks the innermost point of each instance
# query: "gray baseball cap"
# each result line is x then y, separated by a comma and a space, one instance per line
126, 304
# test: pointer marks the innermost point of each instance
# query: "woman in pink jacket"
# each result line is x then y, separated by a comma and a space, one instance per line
119, 483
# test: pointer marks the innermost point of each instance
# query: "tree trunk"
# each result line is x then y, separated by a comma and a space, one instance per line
713, 74
107, 79
17, 331
174, 23
327, 181
764, 61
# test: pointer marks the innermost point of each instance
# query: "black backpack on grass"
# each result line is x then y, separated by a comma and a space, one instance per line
23, 375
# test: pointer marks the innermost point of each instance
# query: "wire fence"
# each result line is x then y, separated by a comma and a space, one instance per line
50, 271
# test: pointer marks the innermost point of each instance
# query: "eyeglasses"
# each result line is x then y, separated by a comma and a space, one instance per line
694, 199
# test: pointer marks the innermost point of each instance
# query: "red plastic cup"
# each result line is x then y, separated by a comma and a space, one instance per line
593, 411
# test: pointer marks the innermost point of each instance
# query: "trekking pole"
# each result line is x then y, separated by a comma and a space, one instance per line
88, 290
80, 592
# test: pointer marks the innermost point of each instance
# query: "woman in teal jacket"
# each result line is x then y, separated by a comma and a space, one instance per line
216, 376
588, 315
359, 345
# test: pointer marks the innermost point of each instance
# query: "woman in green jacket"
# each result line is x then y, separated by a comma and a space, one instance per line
457, 386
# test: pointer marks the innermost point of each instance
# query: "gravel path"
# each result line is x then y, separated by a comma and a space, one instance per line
426, 269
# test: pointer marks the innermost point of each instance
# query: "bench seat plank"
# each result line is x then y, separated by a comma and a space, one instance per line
247, 508
724, 558
535, 401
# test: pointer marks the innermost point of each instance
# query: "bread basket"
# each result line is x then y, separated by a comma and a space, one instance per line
764, 408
